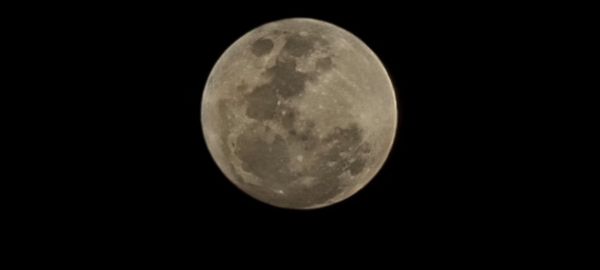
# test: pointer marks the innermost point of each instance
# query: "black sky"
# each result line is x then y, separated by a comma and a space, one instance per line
140, 161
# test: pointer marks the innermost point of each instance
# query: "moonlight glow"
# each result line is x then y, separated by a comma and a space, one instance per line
299, 113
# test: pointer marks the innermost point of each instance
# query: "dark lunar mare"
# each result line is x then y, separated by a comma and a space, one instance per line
269, 160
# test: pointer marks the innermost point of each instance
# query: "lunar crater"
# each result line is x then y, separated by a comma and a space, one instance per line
262, 46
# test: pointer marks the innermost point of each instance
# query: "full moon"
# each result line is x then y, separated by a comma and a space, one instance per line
299, 113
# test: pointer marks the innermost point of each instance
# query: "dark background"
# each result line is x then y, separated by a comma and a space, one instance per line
138, 165
109, 159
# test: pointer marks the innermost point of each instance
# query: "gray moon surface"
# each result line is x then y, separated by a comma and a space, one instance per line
299, 113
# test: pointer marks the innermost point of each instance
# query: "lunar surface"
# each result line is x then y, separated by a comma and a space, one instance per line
299, 113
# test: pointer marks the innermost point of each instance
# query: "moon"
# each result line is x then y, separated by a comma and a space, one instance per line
299, 113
